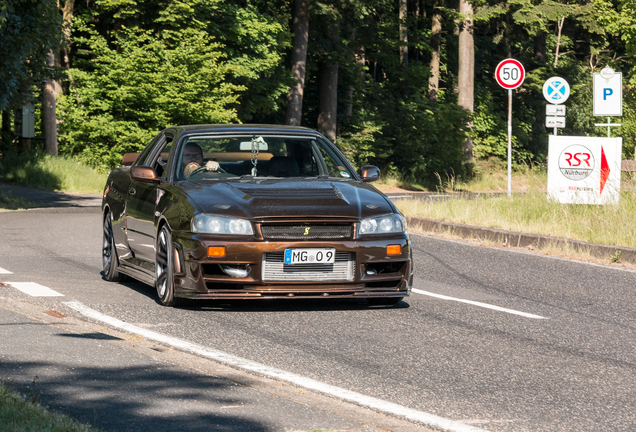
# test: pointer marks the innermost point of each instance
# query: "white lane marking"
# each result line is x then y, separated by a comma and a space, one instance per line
3, 271
484, 305
35, 290
297, 380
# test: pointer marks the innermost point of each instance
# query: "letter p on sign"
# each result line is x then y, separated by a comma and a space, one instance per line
607, 92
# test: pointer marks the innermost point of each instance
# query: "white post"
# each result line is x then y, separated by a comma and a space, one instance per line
608, 127
509, 142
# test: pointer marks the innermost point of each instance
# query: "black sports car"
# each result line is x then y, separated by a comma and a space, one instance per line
252, 211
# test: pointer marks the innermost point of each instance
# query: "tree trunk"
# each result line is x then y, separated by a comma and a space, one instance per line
6, 122
539, 49
416, 28
556, 54
294, 111
404, 38
67, 18
49, 118
466, 75
351, 30
328, 100
436, 43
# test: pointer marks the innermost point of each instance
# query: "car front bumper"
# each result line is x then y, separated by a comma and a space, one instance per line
371, 273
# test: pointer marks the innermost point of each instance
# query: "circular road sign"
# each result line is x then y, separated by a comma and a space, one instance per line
556, 90
510, 74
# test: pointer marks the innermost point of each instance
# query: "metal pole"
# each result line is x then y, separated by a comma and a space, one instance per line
555, 131
608, 127
509, 142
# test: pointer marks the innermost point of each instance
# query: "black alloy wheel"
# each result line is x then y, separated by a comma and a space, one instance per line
164, 270
109, 253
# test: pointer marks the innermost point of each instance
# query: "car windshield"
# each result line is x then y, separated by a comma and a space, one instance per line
210, 157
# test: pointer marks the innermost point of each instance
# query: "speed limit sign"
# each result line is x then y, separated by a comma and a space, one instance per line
510, 74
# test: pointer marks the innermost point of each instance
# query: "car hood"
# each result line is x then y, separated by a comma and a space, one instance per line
256, 198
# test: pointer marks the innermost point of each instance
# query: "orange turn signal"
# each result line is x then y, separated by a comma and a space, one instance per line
393, 250
216, 251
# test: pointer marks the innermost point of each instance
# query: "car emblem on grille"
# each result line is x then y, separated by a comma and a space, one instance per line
306, 230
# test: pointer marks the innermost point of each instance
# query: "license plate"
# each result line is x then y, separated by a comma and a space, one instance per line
310, 256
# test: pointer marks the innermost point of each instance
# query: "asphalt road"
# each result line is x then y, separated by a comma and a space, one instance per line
557, 353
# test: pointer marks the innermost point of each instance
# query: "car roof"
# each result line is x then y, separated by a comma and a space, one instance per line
239, 128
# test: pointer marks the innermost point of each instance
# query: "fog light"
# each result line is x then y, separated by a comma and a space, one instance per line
216, 251
239, 271
393, 250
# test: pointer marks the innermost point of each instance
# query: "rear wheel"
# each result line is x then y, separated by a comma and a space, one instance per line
109, 253
384, 301
164, 270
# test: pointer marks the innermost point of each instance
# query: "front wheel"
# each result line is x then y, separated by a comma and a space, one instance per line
109, 253
164, 270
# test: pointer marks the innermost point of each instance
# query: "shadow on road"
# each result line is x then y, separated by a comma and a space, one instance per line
137, 398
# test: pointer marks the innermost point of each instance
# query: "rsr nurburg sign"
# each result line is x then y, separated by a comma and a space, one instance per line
510, 74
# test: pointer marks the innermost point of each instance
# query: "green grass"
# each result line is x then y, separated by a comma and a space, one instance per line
20, 415
58, 173
532, 212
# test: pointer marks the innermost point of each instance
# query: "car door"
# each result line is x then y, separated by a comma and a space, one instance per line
140, 209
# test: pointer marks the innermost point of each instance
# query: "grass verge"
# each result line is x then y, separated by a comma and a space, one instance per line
58, 173
533, 213
19, 415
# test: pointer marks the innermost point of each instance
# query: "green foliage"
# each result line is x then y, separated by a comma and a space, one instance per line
29, 31
139, 86
405, 133
142, 65
41, 171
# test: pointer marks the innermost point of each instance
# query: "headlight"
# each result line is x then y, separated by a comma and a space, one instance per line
392, 223
210, 224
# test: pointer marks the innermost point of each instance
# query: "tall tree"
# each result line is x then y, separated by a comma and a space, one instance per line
294, 110
404, 38
327, 117
466, 75
436, 45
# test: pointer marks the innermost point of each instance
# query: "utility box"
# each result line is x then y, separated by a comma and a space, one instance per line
24, 121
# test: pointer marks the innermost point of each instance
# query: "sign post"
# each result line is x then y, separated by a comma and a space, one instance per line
510, 75
608, 96
556, 91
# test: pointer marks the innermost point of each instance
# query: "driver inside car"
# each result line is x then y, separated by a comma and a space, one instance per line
192, 158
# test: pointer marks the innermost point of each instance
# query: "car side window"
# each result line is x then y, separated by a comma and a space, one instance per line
145, 154
157, 159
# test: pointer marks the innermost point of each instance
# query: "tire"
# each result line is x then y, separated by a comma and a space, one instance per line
384, 301
164, 270
110, 262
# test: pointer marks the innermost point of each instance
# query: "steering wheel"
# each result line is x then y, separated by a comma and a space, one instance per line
203, 168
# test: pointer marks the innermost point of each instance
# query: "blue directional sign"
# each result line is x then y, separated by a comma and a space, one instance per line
556, 90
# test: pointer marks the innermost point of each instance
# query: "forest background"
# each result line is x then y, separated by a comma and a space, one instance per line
407, 85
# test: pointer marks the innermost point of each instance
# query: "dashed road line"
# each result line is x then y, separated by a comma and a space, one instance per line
297, 380
474, 303
35, 290
3, 271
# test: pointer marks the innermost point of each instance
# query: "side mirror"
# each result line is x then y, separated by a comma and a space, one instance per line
129, 158
143, 173
370, 173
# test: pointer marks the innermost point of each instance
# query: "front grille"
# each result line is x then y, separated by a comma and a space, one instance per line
275, 270
307, 232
